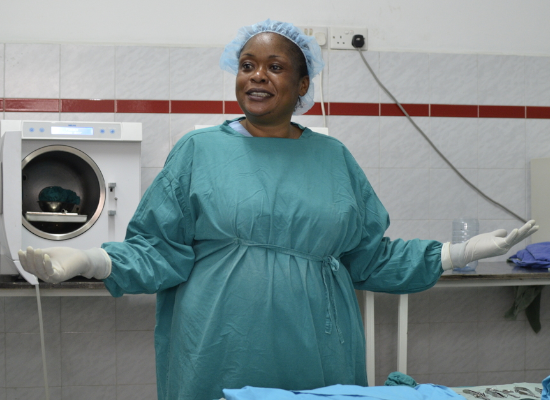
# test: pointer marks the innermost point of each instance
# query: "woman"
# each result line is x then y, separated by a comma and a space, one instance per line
254, 236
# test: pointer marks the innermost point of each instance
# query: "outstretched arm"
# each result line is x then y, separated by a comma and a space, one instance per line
486, 245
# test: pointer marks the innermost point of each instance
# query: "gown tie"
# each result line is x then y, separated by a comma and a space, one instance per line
329, 267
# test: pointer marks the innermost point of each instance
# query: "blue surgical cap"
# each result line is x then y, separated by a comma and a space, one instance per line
311, 50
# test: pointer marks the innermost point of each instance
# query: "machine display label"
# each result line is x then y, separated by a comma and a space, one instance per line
72, 130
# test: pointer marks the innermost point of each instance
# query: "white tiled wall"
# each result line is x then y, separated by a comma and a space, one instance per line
97, 348
501, 80
228, 86
87, 72
2, 69
537, 81
103, 347
142, 73
195, 74
456, 138
353, 83
32, 70
453, 79
406, 76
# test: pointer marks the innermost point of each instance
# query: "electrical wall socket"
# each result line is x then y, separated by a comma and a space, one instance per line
340, 38
319, 33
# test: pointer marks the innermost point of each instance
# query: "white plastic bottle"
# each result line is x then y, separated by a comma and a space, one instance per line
464, 229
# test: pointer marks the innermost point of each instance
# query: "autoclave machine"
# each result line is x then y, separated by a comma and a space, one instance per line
98, 163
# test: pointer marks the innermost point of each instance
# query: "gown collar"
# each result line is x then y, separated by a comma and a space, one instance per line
306, 132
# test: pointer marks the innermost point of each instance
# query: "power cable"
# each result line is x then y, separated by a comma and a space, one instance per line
474, 187
322, 101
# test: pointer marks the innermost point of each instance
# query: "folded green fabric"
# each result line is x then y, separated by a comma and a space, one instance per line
57, 193
527, 299
400, 379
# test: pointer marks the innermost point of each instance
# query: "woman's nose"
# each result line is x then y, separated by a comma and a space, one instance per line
259, 75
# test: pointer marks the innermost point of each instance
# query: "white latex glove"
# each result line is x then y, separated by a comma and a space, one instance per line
57, 264
491, 244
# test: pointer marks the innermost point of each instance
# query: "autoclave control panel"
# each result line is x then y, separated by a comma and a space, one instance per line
71, 130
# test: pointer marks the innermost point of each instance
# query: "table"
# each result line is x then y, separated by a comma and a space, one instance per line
486, 274
18, 287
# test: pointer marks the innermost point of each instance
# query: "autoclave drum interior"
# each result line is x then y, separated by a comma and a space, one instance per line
68, 168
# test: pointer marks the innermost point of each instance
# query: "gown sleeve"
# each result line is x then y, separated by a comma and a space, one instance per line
379, 264
156, 253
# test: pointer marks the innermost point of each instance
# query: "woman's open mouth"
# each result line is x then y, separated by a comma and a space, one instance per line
256, 94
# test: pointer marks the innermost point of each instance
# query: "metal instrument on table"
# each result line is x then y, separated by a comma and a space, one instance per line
509, 393
477, 395
503, 393
524, 391
496, 393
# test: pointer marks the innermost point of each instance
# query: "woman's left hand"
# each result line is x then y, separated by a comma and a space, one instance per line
57, 264
491, 244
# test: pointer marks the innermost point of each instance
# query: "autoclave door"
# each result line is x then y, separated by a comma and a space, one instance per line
10, 206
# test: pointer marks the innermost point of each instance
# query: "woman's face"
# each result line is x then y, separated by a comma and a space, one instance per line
268, 82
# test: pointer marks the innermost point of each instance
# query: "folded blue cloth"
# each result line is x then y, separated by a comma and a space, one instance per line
545, 389
345, 392
400, 379
536, 255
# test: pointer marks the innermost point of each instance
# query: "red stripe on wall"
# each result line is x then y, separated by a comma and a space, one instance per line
316, 109
87, 106
414, 110
31, 105
538, 112
501, 111
453, 110
365, 109
143, 106
232, 107
196, 107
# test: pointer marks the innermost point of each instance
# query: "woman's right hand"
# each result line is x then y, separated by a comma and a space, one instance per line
490, 244
57, 264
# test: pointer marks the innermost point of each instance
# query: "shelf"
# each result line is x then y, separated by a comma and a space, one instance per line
55, 217
15, 286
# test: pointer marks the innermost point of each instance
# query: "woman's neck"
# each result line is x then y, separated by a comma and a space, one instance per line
283, 130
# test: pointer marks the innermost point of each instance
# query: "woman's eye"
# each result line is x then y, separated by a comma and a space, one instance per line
246, 65
276, 67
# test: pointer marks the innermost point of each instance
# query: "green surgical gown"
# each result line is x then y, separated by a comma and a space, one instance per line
254, 247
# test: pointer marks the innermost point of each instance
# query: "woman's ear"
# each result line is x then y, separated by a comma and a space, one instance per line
304, 85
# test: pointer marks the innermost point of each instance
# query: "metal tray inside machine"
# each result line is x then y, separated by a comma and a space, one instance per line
32, 216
